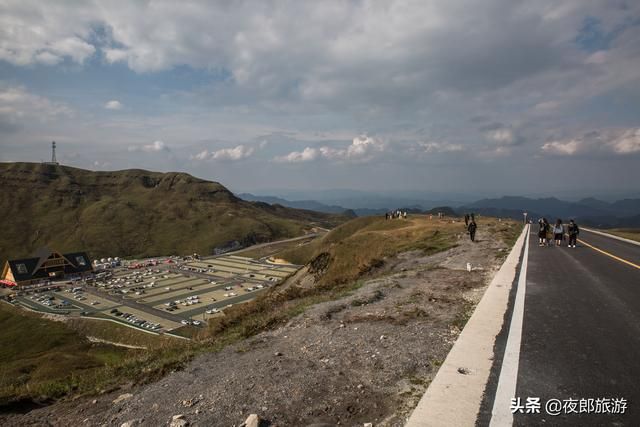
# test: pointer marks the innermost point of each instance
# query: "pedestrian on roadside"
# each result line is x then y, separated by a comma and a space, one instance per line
466, 220
548, 235
573, 230
542, 232
558, 232
472, 230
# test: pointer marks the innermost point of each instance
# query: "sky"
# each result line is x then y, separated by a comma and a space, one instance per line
498, 96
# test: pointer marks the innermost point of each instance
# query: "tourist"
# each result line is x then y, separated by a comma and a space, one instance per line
573, 230
558, 232
472, 230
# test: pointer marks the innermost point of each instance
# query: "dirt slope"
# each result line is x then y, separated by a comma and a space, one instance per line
366, 357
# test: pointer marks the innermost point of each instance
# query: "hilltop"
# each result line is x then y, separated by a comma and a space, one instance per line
134, 213
354, 337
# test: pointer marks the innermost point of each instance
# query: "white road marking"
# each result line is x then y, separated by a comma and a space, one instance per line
501, 414
611, 236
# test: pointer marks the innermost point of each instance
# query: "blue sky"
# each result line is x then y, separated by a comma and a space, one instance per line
467, 97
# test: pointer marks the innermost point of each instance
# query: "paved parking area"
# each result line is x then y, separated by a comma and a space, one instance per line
144, 290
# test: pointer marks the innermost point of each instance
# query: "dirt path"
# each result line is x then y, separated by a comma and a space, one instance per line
117, 344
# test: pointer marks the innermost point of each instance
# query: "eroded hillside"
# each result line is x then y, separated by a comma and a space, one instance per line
355, 337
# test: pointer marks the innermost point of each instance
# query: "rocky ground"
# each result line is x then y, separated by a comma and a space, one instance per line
366, 358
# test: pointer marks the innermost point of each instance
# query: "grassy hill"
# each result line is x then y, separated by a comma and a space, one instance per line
133, 213
338, 262
44, 359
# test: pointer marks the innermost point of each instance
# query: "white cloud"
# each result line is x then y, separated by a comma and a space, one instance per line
17, 104
155, 147
440, 147
46, 33
501, 136
612, 141
113, 105
628, 142
565, 148
306, 155
233, 154
362, 149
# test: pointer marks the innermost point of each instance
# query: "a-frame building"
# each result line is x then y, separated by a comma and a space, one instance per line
45, 265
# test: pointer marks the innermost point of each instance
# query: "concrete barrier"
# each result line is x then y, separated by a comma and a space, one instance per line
455, 395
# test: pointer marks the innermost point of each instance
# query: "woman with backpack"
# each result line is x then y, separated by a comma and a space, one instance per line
542, 232
573, 231
558, 232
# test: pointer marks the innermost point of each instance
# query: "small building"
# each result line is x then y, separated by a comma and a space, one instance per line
45, 265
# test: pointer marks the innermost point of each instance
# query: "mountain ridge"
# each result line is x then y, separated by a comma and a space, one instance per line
134, 212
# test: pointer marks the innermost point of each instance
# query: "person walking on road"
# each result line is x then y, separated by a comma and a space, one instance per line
542, 232
573, 230
472, 227
558, 232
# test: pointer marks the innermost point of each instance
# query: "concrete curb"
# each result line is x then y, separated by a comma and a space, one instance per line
453, 398
622, 239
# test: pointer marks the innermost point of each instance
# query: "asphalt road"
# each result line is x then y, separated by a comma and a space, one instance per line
581, 331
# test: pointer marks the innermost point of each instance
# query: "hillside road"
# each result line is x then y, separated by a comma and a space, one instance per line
580, 337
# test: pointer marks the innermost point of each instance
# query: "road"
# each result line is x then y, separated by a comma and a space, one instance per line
580, 335
133, 304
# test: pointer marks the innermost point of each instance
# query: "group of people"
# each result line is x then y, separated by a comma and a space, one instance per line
396, 214
470, 224
557, 232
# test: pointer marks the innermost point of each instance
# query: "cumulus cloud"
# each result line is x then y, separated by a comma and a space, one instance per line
341, 67
18, 105
613, 141
113, 105
362, 149
565, 148
46, 33
306, 155
155, 147
236, 153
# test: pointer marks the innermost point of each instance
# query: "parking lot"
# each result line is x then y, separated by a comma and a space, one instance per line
161, 294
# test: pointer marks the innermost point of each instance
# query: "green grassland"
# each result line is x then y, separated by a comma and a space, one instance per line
360, 245
133, 213
44, 359
343, 258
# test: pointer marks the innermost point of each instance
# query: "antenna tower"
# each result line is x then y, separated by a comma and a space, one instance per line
53, 153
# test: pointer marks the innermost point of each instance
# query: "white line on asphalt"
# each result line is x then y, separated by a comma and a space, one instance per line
611, 236
501, 414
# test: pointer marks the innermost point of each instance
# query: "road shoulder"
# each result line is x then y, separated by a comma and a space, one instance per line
456, 393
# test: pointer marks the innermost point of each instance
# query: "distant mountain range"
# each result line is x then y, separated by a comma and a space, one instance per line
589, 211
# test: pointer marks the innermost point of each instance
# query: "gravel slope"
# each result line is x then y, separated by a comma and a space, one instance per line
366, 358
